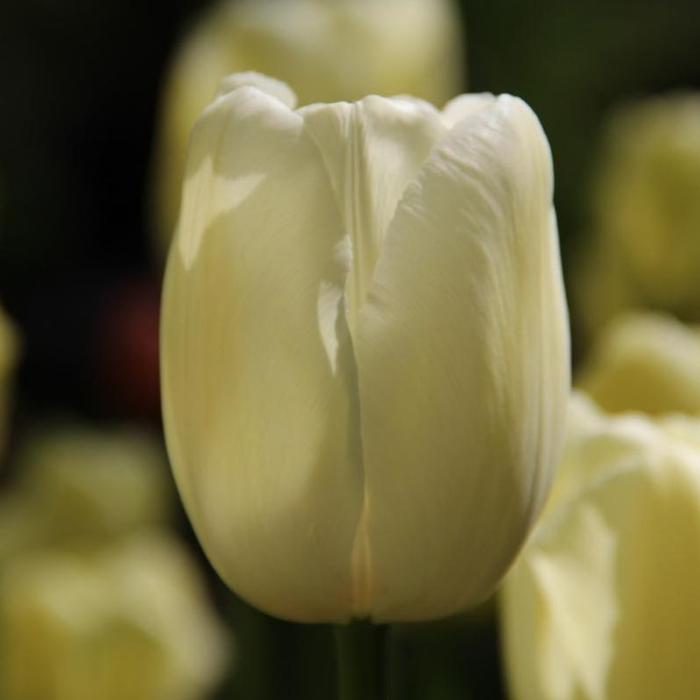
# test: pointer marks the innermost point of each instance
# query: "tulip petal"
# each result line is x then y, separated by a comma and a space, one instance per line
463, 106
603, 603
462, 353
259, 388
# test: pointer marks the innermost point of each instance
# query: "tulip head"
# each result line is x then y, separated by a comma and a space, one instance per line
602, 602
327, 50
364, 348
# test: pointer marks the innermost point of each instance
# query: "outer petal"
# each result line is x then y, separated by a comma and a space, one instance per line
603, 604
258, 374
463, 106
464, 372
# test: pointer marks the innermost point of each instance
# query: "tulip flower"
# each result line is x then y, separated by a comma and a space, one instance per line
644, 250
364, 348
603, 601
327, 50
131, 621
645, 362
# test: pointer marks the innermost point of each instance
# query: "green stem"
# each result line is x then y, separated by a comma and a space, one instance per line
360, 649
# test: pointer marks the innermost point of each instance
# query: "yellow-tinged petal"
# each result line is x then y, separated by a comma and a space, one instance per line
257, 367
463, 363
603, 604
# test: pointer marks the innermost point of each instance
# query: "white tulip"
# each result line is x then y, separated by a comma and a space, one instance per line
603, 602
365, 355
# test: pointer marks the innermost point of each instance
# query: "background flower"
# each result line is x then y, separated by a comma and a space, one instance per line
644, 249
602, 604
644, 362
130, 621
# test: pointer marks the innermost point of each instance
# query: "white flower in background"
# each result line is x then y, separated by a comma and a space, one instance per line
365, 359
644, 362
90, 485
327, 50
603, 602
129, 622
645, 247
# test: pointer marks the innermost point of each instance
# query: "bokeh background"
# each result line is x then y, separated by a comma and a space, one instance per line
80, 273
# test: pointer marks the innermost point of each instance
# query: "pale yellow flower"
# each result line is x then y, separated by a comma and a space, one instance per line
603, 602
89, 485
365, 355
327, 50
644, 248
129, 622
645, 362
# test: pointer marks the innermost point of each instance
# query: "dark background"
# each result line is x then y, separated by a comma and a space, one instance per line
79, 84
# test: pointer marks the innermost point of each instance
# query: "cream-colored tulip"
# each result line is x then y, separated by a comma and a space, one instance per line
645, 362
129, 622
364, 348
327, 50
645, 245
603, 602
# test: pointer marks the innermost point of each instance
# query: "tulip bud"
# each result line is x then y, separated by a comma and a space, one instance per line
364, 348
131, 622
645, 251
603, 601
645, 362
327, 50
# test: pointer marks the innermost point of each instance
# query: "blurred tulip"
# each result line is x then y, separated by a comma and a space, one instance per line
131, 622
9, 347
645, 362
603, 602
364, 348
645, 252
327, 50
82, 487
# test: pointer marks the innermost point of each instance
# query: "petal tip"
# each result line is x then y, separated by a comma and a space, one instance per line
270, 86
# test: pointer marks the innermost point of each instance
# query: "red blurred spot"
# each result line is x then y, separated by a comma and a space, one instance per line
127, 349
